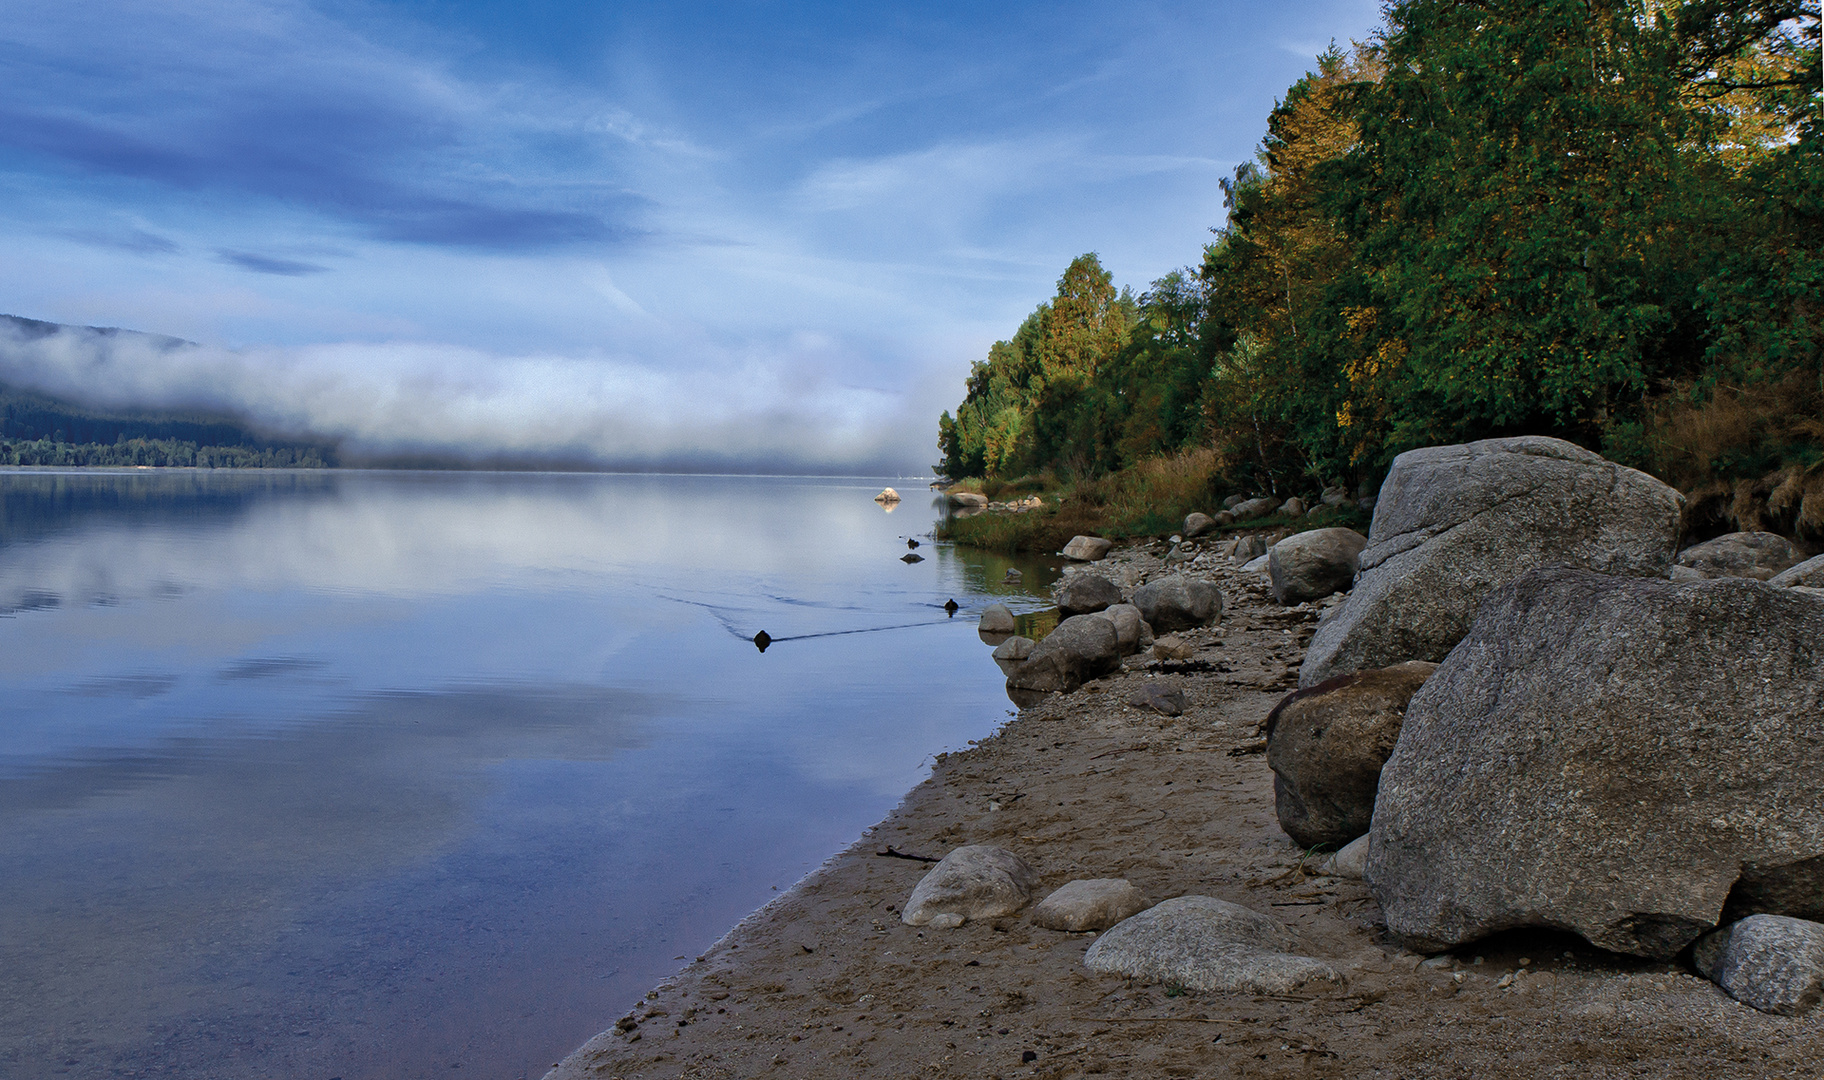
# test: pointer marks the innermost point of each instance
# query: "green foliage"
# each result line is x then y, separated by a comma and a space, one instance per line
131, 453
1597, 220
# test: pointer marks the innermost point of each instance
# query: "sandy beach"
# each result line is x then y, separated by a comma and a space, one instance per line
827, 981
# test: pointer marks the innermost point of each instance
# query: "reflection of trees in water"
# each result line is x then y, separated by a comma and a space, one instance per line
34, 505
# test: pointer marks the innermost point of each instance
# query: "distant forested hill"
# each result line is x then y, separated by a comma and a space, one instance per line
36, 429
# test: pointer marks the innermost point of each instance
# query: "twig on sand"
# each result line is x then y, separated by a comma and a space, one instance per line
1122, 750
895, 853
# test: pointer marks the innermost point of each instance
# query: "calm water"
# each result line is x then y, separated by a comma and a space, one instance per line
372, 775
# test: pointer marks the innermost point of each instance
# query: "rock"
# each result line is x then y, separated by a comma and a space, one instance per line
1758, 555
1221, 518
1180, 553
887, 495
1083, 647
1173, 647
1089, 904
1202, 943
1197, 524
1614, 756
1012, 577
1326, 745
1253, 508
1366, 502
1252, 547
978, 881
1081, 594
1350, 861
1293, 507
967, 499
911, 558
997, 619
1011, 653
1086, 548
1178, 603
1336, 496
1808, 574
1129, 626
1773, 963
1312, 565
1164, 696
1456, 522
1257, 565
1233, 501
1686, 573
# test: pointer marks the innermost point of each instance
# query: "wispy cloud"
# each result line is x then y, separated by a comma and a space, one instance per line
266, 264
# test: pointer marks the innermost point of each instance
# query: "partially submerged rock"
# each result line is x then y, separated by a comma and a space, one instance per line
1013, 652
1326, 745
1312, 565
1758, 555
978, 881
1089, 904
997, 619
1808, 574
1202, 943
1453, 523
1771, 962
887, 495
1086, 548
1178, 603
1082, 594
1083, 647
1620, 757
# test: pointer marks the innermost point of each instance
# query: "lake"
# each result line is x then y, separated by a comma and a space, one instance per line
388, 775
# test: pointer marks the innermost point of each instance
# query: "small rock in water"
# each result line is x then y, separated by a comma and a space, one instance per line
911, 558
1013, 576
977, 881
1093, 904
997, 619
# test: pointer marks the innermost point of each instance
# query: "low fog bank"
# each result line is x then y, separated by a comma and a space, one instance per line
418, 405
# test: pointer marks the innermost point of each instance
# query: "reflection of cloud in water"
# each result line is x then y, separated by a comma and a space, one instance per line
271, 667
137, 687
158, 862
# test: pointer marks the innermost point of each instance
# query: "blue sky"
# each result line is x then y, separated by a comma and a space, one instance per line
717, 235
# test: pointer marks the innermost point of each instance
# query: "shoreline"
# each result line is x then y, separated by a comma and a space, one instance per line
826, 982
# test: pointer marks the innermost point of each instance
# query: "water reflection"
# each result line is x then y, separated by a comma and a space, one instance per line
369, 775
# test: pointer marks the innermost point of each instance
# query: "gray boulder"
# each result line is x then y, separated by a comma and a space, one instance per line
1312, 565
1130, 629
1081, 594
1620, 757
1083, 647
996, 619
1233, 501
978, 881
1086, 548
1771, 962
1248, 548
1197, 524
1758, 555
1455, 522
1293, 507
1806, 575
1326, 745
1350, 860
967, 499
1178, 603
1089, 904
1253, 508
1165, 696
1012, 653
1202, 943
1173, 647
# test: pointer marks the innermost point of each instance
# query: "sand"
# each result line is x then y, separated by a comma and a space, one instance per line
826, 982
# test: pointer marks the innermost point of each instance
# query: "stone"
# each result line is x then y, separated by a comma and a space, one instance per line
1180, 553
887, 495
1173, 647
997, 619
1130, 628
1233, 501
1178, 603
1012, 577
1257, 565
1086, 548
1326, 745
1758, 555
1456, 522
1312, 565
1089, 904
1082, 594
1012, 653
1686, 573
1336, 496
1771, 962
977, 881
1806, 575
1350, 860
1164, 696
1083, 647
911, 558
1614, 756
1248, 548
1293, 507
1253, 508
1196, 525
967, 499
1205, 944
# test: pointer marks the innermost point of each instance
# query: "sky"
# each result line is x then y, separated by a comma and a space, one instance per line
729, 236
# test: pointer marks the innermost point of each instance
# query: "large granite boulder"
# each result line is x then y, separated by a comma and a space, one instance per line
1082, 594
1202, 943
1758, 555
1326, 745
1455, 522
1807, 575
1771, 962
1625, 758
1178, 603
978, 881
1087, 548
1312, 565
1083, 647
